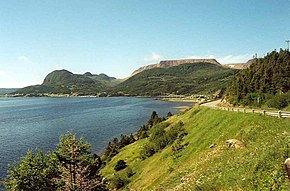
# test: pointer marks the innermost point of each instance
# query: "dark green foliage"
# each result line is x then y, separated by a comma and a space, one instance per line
180, 132
65, 82
71, 166
279, 101
266, 78
118, 182
121, 164
183, 79
4, 91
160, 138
147, 151
142, 132
78, 166
113, 147
169, 114
154, 119
126, 140
32, 172
129, 172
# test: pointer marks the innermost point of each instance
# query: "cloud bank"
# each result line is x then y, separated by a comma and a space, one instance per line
228, 59
154, 57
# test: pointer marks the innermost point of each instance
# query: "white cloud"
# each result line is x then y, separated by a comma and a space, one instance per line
14, 84
23, 58
226, 59
2, 73
234, 59
202, 57
153, 57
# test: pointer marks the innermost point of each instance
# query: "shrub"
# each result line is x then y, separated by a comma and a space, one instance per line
121, 164
278, 102
129, 172
160, 138
118, 182
147, 151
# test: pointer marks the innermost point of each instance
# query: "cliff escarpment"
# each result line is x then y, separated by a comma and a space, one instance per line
171, 63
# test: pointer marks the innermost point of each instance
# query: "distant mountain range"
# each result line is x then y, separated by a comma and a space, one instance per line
186, 76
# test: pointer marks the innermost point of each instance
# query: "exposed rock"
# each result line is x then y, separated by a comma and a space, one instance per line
212, 145
239, 66
171, 63
234, 143
287, 167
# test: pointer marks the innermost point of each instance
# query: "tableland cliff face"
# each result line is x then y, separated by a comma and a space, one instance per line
171, 63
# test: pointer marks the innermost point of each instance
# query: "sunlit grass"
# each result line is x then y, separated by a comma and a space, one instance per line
197, 167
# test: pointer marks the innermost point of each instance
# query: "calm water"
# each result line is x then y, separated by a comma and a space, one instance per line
27, 123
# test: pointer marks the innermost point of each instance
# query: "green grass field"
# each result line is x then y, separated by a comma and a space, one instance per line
259, 166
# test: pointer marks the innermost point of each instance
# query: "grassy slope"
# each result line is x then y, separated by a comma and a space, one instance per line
193, 78
197, 167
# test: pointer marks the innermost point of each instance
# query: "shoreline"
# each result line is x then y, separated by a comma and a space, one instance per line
180, 99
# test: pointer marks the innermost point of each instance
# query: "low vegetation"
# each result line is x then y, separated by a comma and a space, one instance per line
201, 159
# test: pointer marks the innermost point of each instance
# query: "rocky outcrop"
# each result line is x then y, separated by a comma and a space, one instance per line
171, 63
234, 143
240, 66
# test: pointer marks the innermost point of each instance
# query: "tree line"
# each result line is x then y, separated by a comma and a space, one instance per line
265, 83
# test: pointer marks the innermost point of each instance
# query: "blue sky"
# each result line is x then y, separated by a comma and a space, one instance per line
118, 36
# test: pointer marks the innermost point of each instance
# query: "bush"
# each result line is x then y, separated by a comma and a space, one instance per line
121, 164
147, 151
118, 182
278, 102
33, 172
160, 138
129, 172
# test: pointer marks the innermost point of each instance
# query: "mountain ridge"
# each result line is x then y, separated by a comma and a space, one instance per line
180, 77
171, 63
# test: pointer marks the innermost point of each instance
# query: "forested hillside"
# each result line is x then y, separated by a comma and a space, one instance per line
193, 78
265, 83
65, 82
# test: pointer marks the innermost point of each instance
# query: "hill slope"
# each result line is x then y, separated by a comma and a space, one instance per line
182, 79
65, 82
171, 63
205, 162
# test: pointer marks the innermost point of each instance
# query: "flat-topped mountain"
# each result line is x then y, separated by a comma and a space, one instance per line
171, 63
182, 79
177, 77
